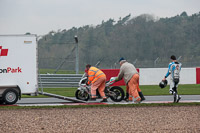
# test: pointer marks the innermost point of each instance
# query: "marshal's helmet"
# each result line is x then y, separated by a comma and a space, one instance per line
163, 83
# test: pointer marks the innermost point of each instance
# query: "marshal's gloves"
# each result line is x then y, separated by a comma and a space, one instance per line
113, 79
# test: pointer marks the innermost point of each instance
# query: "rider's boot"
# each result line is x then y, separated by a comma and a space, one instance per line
141, 96
104, 100
178, 98
126, 97
92, 98
175, 97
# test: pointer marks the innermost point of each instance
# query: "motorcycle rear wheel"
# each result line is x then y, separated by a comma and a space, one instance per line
82, 96
119, 94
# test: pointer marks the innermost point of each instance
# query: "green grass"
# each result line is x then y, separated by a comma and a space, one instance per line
153, 90
148, 90
68, 92
182, 90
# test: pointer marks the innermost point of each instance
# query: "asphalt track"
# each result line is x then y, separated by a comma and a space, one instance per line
149, 99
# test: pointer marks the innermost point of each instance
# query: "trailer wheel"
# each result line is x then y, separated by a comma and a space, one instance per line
10, 96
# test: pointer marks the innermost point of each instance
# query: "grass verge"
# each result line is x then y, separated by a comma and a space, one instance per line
151, 90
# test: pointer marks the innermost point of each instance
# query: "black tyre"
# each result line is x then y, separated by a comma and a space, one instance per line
10, 96
118, 94
82, 95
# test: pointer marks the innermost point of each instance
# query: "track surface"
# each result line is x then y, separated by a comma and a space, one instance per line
149, 99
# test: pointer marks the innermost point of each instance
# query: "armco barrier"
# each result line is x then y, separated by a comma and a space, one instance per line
148, 76
59, 80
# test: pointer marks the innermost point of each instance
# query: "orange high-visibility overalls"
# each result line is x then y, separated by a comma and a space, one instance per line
133, 87
98, 80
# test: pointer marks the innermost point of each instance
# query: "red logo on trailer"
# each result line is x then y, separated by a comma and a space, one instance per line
3, 52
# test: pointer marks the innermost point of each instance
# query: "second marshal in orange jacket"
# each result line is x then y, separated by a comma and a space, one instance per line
94, 74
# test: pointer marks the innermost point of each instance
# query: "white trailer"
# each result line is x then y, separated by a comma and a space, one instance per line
18, 67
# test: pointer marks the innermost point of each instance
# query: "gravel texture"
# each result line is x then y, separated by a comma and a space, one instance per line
183, 119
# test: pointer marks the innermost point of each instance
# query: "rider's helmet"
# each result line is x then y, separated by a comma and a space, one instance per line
163, 83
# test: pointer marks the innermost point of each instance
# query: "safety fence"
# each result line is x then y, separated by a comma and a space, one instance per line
152, 76
148, 76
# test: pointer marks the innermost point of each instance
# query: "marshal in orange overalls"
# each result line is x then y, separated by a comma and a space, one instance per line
133, 87
98, 80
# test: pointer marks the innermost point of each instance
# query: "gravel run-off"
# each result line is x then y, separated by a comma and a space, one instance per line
162, 119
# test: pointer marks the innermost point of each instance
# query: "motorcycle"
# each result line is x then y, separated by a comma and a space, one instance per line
115, 93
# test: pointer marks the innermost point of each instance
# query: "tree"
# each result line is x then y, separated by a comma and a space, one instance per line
143, 37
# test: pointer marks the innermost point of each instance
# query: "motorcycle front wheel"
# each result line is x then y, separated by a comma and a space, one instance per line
82, 95
118, 94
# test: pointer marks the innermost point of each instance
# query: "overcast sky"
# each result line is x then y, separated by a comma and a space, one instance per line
42, 16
